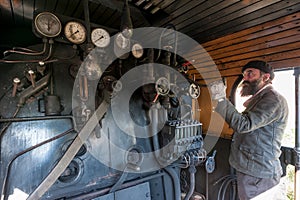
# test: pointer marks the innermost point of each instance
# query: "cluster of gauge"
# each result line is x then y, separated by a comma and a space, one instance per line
48, 25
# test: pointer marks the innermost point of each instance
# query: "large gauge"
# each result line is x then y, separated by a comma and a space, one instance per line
100, 37
75, 32
47, 24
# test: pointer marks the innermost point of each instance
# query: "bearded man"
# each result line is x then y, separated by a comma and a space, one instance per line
258, 130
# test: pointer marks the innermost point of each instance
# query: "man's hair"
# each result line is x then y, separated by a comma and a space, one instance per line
261, 65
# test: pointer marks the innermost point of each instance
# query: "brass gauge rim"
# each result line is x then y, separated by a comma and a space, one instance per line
39, 27
137, 50
72, 36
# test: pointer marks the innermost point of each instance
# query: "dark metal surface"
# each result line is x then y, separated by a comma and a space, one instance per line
35, 139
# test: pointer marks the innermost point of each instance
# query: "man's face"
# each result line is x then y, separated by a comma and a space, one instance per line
252, 82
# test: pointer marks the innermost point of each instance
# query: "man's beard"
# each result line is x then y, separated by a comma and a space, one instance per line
250, 88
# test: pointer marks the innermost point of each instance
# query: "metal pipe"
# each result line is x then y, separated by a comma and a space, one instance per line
25, 119
176, 182
43, 82
87, 19
192, 171
297, 136
26, 51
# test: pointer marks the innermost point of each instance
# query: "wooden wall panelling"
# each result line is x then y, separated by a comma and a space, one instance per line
254, 35
236, 37
280, 60
245, 45
276, 41
259, 52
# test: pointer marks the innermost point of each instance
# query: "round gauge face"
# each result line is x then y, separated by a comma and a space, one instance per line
75, 32
47, 24
137, 50
100, 37
121, 41
194, 91
162, 86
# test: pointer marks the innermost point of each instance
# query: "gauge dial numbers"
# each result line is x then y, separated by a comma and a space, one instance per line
137, 50
47, 24
194, 91
100, 37
75, 32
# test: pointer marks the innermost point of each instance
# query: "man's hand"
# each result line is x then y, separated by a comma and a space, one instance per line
217, 90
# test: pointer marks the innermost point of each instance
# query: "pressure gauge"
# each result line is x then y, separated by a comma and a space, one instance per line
121, 41
100, 37
162, 86
75, 32
194, 91
47, 24
137, 50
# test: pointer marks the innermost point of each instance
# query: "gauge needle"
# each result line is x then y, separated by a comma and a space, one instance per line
99, 38
74, 33
48, 25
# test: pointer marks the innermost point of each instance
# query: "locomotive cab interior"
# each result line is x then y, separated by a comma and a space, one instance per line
110, 99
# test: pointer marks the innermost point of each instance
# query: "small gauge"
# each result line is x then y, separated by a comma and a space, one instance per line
162, 86
47, 24
194, 91
100, 37
121, 41
75, 32
137, 50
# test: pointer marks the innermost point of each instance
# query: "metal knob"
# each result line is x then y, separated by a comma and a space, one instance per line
16, 82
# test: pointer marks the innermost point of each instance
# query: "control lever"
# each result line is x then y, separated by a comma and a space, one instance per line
32, 90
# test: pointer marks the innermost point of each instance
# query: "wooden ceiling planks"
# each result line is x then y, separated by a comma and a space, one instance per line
252, 33
208, 20
182, 11
239, 20
277, 42
206, 15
